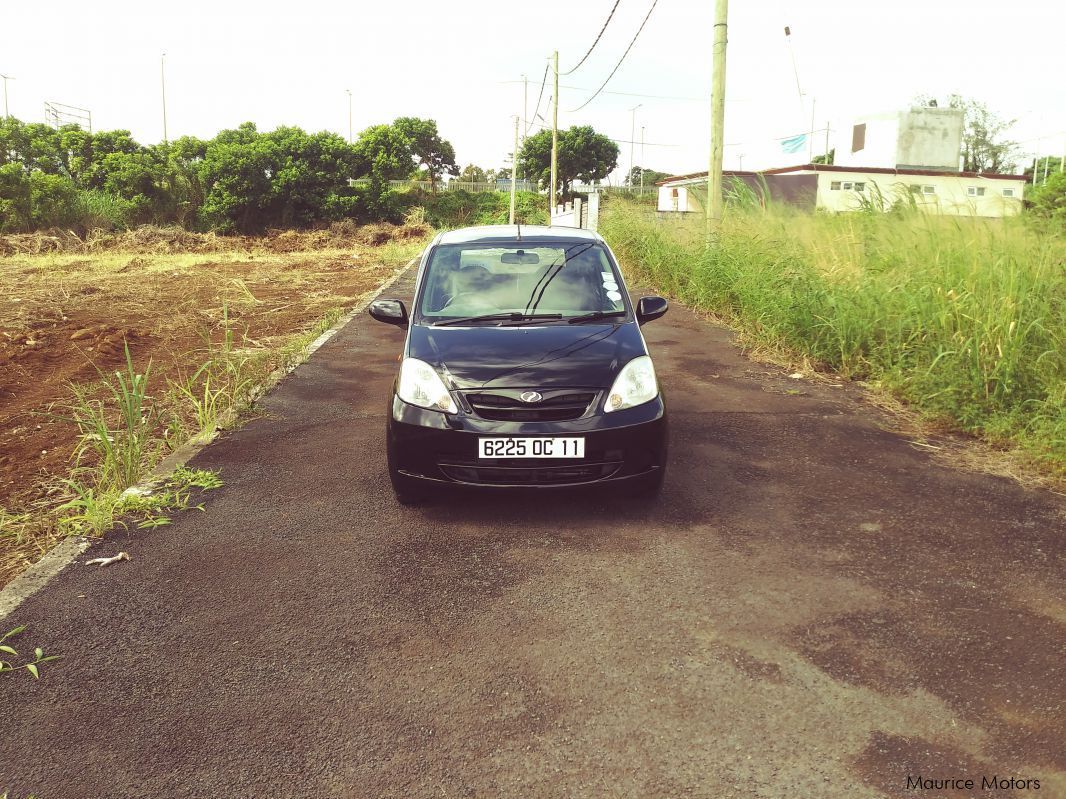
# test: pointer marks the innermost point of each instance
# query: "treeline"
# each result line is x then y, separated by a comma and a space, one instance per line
241, 181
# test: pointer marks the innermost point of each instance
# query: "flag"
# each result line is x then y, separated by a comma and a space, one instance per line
794, 144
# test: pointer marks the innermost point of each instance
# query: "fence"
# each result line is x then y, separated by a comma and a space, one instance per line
505, 186
580, 214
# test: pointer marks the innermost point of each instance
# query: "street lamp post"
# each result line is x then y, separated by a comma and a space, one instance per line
643, 163
632, 135
163, 86
6, 79
349, 91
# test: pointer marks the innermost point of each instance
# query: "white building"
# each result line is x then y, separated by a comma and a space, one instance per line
843, 188
912, 156
919, 138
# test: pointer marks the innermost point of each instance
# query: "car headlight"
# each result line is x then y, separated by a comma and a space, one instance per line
421, 385
635, 385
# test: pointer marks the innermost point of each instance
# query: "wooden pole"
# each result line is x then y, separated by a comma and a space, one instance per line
514, 169
714, 173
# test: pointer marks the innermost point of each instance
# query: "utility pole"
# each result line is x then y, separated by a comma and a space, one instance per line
163, 85
714, 173
349, 91
632, 137
514, 169
6, 79
555, 136
525, 106
643, 163
810, 136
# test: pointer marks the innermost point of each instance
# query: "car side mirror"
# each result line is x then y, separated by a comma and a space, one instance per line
649, 308
391, 312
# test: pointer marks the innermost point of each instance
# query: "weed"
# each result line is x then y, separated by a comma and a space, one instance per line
203, 479
965, 319
120, 451
30, 666
90, 512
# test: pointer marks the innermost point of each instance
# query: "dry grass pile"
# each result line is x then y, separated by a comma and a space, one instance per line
153, 240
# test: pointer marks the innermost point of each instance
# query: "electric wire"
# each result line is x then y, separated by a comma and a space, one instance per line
618, 141
536, 111
608, 22
620, 60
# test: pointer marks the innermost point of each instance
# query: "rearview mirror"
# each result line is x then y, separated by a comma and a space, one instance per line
391, 312
520, 257
650, 308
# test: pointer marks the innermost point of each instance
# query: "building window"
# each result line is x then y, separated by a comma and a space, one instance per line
975, 191
1008, 192
928, 189
858, 137
848, 185
915, 188
834, 185
860, 187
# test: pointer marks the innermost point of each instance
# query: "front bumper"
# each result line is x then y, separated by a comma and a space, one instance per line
443, 448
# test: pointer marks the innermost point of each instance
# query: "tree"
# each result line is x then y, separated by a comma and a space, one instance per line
651, 176
825, 159
287, 177
984, 148
1053, 163
428, 148
473, 174
584, 155
1049, 198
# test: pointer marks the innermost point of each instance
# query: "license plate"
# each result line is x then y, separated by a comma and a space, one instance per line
539, 447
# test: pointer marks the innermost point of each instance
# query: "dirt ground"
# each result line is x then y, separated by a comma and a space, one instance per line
68, 308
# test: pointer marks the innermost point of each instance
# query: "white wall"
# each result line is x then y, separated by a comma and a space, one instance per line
675, 198
949, 192
882, 132
930, 138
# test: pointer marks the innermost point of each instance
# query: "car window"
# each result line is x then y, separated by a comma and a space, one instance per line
568, 278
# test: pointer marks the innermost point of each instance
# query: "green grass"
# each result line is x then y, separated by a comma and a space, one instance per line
964, 319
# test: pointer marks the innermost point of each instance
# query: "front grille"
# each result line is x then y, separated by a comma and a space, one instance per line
503, 407
529, 475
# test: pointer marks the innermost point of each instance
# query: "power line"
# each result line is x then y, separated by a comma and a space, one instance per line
608, 22
651, 96
536, 111
620, 60
618, 141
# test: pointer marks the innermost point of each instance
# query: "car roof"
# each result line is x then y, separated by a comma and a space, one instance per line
512, 233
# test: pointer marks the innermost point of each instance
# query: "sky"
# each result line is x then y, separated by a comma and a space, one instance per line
462, 63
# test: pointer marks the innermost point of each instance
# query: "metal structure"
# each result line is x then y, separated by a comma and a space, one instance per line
59, 114
6, 78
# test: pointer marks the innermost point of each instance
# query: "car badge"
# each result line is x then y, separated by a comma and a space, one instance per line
530, 396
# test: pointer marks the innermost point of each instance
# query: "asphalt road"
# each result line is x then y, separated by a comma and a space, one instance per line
813, 608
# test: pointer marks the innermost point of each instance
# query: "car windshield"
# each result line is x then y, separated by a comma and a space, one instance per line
558, 278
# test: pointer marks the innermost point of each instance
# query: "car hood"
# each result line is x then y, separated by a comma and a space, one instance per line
535, 356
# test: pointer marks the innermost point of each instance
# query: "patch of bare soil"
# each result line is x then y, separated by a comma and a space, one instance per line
64, 320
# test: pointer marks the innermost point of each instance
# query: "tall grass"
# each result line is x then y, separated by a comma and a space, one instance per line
963, 318
119, 448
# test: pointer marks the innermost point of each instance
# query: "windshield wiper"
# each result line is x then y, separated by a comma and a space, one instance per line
513, 316
589, 317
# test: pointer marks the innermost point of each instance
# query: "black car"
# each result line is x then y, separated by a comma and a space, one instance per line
524, 366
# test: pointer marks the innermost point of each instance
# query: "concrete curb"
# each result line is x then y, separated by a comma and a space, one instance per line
68, 550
